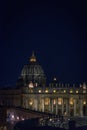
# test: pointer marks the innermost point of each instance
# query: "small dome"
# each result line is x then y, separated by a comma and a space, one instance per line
54, 82
33, 72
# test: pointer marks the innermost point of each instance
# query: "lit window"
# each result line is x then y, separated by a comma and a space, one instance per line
54, 101
59, 101
46, 91
84, 102
39, 91
64, 91
31, 102
71, 91
54, 91
76, 91
47, 101
71, 102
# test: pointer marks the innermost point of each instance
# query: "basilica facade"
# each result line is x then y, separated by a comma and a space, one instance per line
31, 92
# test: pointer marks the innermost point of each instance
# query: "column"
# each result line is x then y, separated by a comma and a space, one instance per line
35, 104
74, 107
43, 105
86, 104
56, 106
62, 107
81, 107
67, 106
52, 105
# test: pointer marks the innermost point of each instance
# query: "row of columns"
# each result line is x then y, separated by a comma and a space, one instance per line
38, 104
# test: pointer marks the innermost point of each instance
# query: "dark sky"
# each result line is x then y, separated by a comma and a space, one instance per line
56, 31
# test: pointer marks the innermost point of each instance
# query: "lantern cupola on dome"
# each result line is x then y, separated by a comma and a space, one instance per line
33, 58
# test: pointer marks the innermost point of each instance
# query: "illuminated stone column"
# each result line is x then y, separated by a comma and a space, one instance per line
56, 106
52, 105
86, 106
48, 106
74, 107
42, 105
62, 106
81, 107
35, 104
67, 106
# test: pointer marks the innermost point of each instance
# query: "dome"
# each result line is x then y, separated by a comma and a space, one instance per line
33, 72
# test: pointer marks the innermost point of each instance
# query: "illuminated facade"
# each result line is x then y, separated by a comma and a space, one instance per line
31, 92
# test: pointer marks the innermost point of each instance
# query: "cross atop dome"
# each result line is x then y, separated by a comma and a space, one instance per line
33, 58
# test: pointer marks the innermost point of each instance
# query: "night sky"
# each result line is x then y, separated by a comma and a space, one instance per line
55, 31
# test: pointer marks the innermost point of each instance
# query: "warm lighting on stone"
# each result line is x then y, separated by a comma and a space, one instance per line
54, 91
71, 102
76, 91
47, 101
59, 101
54, 101
31, 103
64, 91
46, 91
71, 91
65, 113
84, 102
33, 58
39, 91
31, 85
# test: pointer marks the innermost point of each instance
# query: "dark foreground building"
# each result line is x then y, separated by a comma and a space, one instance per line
3, 116
31, 92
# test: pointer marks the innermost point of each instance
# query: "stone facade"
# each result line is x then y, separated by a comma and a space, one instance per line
69, 101
32, 93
